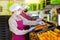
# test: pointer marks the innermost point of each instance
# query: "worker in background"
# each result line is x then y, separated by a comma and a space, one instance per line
24, 10
17, 23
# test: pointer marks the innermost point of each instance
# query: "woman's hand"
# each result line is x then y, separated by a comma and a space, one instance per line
31, 29
39, 21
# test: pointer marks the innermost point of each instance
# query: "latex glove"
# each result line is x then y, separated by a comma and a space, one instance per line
41, 23
38, 20
31, 29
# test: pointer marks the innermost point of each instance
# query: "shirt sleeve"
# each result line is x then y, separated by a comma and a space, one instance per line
13, 28
28, 22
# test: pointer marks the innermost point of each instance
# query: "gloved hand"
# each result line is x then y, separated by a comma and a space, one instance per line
41, 23
38, 20
32, 28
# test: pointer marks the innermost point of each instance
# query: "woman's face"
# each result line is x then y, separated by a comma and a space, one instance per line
17, 12
25, 10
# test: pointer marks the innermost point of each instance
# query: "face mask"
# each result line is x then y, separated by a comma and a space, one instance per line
18, 13
25, 10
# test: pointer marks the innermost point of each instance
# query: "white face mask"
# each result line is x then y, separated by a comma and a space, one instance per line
18, 13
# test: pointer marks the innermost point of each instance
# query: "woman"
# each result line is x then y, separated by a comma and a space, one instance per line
24, 10
17, 23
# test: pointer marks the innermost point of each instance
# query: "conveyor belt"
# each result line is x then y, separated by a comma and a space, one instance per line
51, 27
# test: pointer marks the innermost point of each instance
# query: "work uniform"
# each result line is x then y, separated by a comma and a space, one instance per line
19, 28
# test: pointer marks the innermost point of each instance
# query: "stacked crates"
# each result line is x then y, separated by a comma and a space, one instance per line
4, 28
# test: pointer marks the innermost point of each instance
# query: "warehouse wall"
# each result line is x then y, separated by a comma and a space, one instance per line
4, 7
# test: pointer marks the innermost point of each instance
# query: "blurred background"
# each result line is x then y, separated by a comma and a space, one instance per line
46, 9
